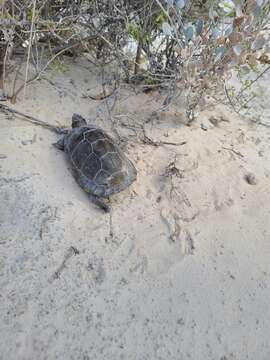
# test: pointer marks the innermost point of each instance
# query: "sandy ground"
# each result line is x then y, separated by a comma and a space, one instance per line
181, 270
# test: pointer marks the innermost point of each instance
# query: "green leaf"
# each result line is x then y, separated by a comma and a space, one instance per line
199, 26
134, 31
189, 32
161, 18
220, 52
166, 28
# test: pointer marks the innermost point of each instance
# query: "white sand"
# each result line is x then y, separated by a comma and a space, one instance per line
185, 274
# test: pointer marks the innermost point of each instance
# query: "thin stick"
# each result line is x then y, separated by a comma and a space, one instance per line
72, 251
29, 47
253, 81
229, 98
4, 67
234, 151
33, 120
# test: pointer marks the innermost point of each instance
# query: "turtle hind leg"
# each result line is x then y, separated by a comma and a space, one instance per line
60, 144
101, 204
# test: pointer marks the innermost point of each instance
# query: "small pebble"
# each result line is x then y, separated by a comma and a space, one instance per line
204, 127
250, 179
213, 120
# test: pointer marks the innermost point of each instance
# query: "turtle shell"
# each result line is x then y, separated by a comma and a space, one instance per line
100, 167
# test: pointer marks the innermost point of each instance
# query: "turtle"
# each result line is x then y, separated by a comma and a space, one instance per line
98, 164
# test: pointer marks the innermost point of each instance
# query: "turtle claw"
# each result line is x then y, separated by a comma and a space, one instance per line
105, 207
60, 144
101, 204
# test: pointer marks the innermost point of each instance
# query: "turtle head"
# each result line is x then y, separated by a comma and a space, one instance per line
78, 120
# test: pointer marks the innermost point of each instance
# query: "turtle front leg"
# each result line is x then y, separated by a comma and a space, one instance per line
60, 144
105, 207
